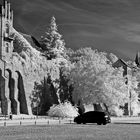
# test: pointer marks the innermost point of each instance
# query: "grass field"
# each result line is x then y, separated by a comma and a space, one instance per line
71, 132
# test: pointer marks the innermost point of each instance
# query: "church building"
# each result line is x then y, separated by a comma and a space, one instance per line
14, 86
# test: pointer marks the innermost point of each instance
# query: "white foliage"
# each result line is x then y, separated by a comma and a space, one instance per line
25, 45
95, 80
32, 61
53, 42
113, 57
63, 110
135, 108
116, 111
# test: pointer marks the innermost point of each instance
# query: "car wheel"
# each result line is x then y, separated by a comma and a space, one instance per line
78, 122
104, 123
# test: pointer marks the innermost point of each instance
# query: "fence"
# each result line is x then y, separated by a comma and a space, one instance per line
35, 121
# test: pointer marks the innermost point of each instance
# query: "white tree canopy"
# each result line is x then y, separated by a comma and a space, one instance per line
95, 80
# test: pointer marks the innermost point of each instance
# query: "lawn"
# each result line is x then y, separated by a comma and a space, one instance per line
71, 132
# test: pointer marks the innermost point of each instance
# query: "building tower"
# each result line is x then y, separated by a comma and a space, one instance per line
6, 49
6, 24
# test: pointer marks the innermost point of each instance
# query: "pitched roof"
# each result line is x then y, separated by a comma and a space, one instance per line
119, 63
32, 40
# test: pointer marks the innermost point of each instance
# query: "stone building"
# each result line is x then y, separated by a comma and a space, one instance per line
12, 93
17, 77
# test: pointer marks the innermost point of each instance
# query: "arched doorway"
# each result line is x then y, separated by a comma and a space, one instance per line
21, 95
11, 86
3, 99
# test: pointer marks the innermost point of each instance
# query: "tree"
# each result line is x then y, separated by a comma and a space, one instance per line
65, 89
113, 57
52, 44
96, 81
43, 96
35, 97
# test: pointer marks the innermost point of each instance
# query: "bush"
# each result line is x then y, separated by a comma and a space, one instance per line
63, 110
135, 108
116, 111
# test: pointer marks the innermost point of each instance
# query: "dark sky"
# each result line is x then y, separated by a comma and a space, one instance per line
108, 25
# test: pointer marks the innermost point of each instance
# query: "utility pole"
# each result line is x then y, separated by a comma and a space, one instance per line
129, 102
37, 111
129, 74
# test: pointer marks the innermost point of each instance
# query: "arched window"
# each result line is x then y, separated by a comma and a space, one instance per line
6, 30
7, 47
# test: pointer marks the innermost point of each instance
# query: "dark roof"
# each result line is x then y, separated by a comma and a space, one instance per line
32, 40
119, 63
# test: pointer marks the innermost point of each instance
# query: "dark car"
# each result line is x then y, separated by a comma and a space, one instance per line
93, 117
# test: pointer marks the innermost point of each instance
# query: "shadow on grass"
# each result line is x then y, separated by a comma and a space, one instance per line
126, 123
87, 124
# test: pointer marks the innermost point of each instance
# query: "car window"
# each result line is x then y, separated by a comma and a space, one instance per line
88, 114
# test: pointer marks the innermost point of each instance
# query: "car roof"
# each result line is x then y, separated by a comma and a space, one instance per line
95, 111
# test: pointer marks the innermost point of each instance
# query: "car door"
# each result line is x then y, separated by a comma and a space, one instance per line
100, 117
89, 117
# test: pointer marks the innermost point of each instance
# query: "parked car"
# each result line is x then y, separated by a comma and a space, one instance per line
93, 117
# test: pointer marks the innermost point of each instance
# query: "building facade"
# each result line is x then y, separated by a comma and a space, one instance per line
12, 94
